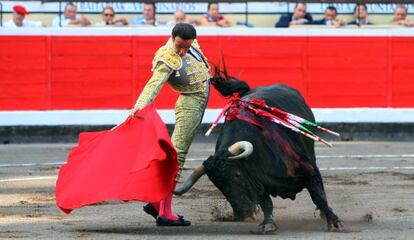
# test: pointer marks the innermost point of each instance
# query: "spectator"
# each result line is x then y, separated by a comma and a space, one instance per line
213, 17
148, 16
19, 14
361, 14
400, 17
70, 18
298, 17
108, 18
179, 17
330, 18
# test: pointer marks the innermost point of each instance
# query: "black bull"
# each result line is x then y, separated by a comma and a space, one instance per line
282, 163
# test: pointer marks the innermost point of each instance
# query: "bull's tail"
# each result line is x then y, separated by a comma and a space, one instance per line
226, 84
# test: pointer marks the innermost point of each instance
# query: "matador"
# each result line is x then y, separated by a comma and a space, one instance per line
181, 63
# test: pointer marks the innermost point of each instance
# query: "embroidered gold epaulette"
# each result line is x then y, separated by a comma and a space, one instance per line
167, 56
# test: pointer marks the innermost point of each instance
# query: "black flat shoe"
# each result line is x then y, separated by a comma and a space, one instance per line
164, 222
149, 209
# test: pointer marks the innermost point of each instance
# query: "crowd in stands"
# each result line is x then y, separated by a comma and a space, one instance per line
299, 16
70, 17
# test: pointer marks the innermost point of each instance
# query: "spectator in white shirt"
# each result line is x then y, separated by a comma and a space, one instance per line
179, 17
400, 17
70, 18
18, 19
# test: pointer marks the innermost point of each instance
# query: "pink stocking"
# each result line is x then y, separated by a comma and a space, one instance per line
166, 208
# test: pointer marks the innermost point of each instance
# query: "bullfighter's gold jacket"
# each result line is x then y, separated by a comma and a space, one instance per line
188, 74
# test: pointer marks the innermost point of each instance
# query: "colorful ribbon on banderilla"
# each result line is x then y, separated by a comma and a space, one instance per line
273, 114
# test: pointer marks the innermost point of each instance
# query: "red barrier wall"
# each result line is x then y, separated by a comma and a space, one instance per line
108, 72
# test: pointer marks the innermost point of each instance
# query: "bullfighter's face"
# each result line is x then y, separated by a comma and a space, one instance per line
231, 179
182, 46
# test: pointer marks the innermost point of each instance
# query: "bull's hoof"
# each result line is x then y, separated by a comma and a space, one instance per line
338, 226
266, 228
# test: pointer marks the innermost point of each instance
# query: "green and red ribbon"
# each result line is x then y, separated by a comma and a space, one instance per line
273, 114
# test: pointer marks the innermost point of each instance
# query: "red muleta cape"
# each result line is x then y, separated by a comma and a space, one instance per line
135, 161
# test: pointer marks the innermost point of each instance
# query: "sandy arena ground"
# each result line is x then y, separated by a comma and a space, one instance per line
370, 186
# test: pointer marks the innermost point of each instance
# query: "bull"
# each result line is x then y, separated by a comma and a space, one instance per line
252, 163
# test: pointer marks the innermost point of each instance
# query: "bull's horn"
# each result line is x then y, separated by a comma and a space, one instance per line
191, 180
243, 149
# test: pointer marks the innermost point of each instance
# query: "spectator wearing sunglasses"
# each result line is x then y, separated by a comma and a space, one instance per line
108, 18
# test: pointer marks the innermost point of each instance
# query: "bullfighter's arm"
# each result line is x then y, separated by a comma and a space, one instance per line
160, 75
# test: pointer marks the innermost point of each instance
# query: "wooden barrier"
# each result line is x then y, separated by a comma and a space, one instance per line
106, 69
